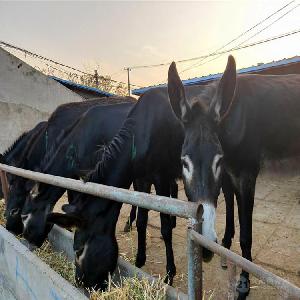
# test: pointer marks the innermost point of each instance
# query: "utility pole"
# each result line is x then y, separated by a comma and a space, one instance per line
128, 76
96, 79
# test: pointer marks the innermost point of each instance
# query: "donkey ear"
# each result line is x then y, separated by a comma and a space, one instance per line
2, 159
64, 220
222, 101
176, 93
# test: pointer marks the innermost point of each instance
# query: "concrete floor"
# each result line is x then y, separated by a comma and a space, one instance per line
276, 239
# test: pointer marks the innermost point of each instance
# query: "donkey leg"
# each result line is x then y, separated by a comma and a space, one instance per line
164, 187
137, 185
245, 200
141, 224
228, 191
131, 219
166, 232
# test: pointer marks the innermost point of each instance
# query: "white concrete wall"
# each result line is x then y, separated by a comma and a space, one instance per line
26, 97
23, 276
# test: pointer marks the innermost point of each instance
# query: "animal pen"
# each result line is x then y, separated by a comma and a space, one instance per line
182, 209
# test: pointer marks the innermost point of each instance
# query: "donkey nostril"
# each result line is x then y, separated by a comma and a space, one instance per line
24, 217
79, 252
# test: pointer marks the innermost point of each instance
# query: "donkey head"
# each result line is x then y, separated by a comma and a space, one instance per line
39, 202
15, 202
95, 244
202, 153
13, 205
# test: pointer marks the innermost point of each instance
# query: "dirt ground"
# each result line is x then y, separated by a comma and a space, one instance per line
276, 239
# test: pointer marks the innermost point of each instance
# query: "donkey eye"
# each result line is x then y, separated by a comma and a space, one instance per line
24, 217
184, 163
216, 166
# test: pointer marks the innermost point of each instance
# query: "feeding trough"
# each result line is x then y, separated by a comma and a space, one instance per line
23, 275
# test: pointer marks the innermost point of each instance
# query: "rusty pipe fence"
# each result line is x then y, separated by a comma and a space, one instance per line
290, 291
182, 209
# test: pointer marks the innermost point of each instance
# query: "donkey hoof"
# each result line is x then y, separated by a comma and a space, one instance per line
140, 261
169, 279
127, 227
171, 272
223, 262
243, 287
242, 296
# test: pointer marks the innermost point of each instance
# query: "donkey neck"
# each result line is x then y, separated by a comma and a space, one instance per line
15, 150
105, 222
115, 167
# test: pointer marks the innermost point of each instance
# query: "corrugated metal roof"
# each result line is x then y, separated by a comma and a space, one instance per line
82, 87
212, 77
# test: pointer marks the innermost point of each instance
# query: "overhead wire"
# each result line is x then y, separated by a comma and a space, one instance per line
251, 45
198, 64
41, 57
216, 51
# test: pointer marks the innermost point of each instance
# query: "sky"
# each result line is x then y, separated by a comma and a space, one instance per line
113, 35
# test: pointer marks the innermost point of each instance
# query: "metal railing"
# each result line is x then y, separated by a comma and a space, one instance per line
179, 208
291, 291
182, 209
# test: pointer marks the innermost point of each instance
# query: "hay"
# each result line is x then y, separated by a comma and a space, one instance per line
132, 289
2, 209
128, 289
57, 261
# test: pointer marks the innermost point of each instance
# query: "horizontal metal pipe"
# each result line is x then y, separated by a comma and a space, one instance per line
248, 266
162, 204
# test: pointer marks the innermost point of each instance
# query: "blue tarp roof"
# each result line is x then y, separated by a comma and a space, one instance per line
207, 78
82, 87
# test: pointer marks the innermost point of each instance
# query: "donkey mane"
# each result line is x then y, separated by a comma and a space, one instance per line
111, 151
200, 107
28, 148
14, 144
201, 102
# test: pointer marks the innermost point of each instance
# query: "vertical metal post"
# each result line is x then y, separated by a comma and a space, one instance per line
4, 185
128, 77
96, 78
231, 266
194, 253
